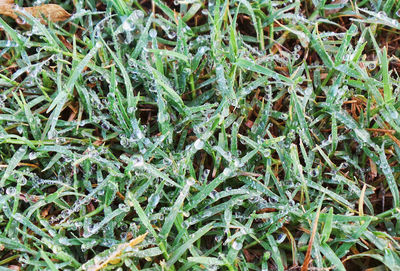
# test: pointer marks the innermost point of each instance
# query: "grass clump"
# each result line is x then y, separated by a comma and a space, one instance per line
219, 135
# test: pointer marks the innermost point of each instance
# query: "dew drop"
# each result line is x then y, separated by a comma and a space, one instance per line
105, 126
237, 245
124, 141
137, 161
199, 144
10, 191
281, 238
20, 129
371, 66
171, 35
23, 181
153, 33
191, 181
314, 172
227, 171
123, 207
32, 156
213, 194
127, 26
218, 238
18, 217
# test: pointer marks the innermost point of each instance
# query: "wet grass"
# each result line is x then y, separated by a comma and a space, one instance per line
229, 135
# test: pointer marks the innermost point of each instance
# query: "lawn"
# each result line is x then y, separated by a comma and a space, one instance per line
200, 135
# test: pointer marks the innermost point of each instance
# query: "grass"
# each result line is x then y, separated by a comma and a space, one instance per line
228, 135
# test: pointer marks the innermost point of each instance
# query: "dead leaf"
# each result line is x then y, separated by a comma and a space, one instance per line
52, 12
6, 2
7, 10
374, 171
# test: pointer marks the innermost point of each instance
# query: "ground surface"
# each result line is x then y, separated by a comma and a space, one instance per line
238, 135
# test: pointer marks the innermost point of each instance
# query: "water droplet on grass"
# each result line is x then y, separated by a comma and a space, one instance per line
236, 245
52, 134
23, 181
371, 66
227, 171
199, 144
123, 207
123, 235
137, 161
10, 191
105, 126
18, 217
153, 33
20, 129
32, 156
191, 181
127, 26
281, 238
171, 35
314, 172
124, 141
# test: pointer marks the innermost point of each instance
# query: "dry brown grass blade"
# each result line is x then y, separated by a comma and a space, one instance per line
114, 257
52, 12
307, 258
292, 243
395, 140
361, 200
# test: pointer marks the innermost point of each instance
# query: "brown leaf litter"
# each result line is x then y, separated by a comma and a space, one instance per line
51, 12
